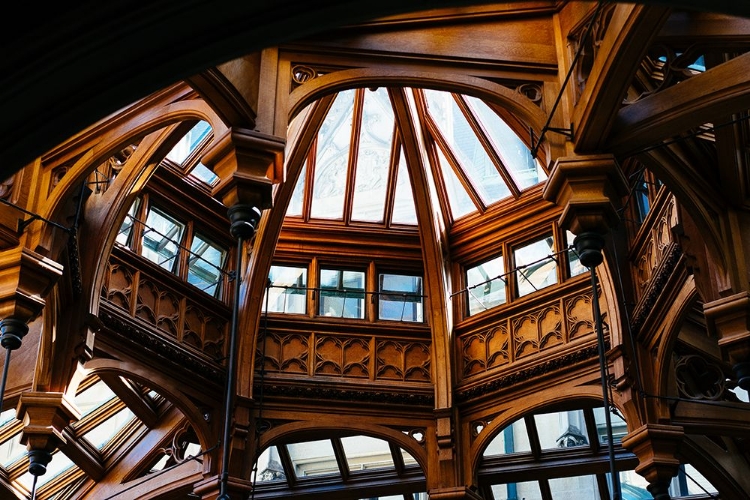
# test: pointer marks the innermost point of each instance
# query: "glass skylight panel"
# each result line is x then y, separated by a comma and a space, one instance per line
161, 238
342, 293
485, 285
512, 439
298, 196
332, 160
373, 157
536, 268
287, 292
400, 298
126, 228
465, 145
93, 397
516, 156
189, 142
574, 488
7, 416
11, 450
100, 435
59, 464
403, 202
528, 490
366, 453
269, 466
459, 200
565, 429
204, 174
205, 264
313, 458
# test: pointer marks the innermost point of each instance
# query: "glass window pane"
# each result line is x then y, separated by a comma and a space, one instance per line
528, 490
59, 464
297, 202
460, 202
619, 427
100, 435
287, 292
189, 142
7, 416
373, 157
94, 397
332, 160
512, 439
126, 228
204, 174
400, 298
535, 266
11, 450
465, 145
366, 453
313, 458
565, 429
161, 239
516, 156
485, 285
574, 488
205, 264
342, 293
403, 202
690, 482
269, 466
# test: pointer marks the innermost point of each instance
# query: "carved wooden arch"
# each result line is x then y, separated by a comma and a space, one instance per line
333, 426
516, 103
549, 401
716, 465
166, 388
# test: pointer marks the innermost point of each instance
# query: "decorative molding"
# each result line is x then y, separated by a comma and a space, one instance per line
526, 374
374, 395
132, 334
656, 287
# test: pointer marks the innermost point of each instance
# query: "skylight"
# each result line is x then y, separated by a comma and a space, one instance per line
357, 168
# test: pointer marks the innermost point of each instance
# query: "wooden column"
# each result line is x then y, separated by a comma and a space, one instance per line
728, 319
45, 415
656, 447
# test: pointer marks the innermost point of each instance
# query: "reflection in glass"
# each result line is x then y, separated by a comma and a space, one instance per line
400, 298
100, 435
574, 260
204, 174
269, 466
366, 453
204, 264
373, 157
536, 268
528, 490
565, 429
161, 238
459, 200
126, 228
403, 200
59, 464
287, 291
334, 141
189, 142
313, 458
93, 397
485, 285
298, 196
342, 293
11, 450
515, 155
512, 439
465, 145
574, 488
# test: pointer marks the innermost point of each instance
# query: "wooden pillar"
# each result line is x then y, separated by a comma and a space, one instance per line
248, 163
728, 319
656, 447
45, 415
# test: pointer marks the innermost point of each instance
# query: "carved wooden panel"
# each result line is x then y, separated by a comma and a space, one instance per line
173, 308
354, 357
513, 336
655, 247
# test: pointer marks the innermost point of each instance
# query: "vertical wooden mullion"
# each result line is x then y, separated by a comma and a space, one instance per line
390, 193
353, 154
